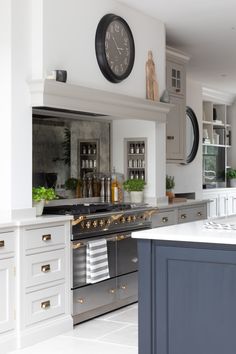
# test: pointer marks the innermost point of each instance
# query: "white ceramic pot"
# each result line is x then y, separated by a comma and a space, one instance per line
136, 197
232, 182
39, 207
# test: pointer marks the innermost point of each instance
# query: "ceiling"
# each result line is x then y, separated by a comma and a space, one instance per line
203, 29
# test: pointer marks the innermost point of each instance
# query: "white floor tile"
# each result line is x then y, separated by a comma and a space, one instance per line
94, 329
126, 336
116, 332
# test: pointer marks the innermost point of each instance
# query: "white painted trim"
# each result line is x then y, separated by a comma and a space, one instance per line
7, 342
215, 96
54, 94
175, 53
39, 333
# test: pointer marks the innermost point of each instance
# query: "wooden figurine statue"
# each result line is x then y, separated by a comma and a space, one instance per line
151, 80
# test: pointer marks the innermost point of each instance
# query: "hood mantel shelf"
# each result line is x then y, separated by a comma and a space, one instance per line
57, 95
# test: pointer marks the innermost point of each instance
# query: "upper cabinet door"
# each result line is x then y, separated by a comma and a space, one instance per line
176, 78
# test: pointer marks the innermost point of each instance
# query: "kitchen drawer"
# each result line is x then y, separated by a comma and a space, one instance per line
44, 304
192, 214
164, 218
45, 267
45, 236
127, 286
94, 296
7, 241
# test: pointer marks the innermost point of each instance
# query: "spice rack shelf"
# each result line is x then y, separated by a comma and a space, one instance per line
136, 158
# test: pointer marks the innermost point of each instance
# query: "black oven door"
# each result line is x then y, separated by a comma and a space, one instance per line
127, 255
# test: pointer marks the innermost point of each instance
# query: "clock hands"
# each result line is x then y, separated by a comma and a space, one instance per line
119, 49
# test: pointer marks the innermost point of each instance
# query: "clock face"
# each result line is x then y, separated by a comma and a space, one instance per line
114, 48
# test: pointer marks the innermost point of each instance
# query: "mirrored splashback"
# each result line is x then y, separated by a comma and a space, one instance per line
65, 150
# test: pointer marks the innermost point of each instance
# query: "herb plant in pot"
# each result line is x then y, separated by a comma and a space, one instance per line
231, 176
170, 184
135, 187
40, 195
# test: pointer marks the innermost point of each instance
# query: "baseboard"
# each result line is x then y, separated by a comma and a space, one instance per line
7, 342
42, 331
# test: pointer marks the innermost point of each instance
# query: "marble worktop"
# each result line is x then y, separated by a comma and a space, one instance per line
195, 231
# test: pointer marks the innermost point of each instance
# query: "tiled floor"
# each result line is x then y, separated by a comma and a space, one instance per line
113, 333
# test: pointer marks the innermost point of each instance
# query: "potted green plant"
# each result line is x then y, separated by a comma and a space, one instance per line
40, 195
170, 184
135, 187
71, 185
231, 176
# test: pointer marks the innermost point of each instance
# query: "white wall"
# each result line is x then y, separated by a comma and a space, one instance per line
15, 112
188, 178
69, 28
155, 157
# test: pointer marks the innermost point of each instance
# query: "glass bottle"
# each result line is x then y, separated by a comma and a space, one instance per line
108, 189
84, 188
137, 149
131, 149
102, 190
94, 149
114, 188
143, 149
89, 150
90, 187
84, 150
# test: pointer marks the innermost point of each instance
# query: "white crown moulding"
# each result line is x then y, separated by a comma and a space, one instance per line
109, 105
215, 96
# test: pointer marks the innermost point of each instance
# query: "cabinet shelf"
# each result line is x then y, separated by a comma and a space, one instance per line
133, 159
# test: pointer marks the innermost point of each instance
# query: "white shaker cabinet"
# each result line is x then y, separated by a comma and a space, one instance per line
7, 289
222, 201
176, 119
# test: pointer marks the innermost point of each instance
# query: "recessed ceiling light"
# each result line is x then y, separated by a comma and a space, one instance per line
223, 75
233, 28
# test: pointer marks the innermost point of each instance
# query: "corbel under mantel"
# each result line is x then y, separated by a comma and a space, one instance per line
64, 96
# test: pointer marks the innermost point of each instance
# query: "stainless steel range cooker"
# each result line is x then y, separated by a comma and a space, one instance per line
114, 223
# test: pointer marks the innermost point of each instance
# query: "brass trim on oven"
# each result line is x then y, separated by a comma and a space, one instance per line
78, 220
77, 245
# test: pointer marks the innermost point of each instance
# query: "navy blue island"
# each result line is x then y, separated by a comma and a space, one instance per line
187, 288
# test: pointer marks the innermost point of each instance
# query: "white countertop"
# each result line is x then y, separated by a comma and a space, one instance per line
192, 232
45, 219
181, 204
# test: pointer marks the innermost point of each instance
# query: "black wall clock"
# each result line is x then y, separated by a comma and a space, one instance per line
115, 49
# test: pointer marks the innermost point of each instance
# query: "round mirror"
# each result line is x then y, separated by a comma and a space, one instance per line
192, 135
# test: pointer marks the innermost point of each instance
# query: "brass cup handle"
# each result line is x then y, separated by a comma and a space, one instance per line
199, 214
165, 219
183, 216
2, 243
46, 268
47, 237
80, 301
45, 305
123, 287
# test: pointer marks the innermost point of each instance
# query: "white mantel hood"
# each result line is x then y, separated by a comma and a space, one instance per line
54, 94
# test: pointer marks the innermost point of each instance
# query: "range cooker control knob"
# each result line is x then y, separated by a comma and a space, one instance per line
129, 218
134, 218
95, 223
102, 222
122, 220
108, 222
88, 224
82, 224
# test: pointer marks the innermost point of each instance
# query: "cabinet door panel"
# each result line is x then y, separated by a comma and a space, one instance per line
175, 74
175, 130
223, 204
232, 204
7, 294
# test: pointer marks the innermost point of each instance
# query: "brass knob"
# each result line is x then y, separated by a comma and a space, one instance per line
77, 245
123, 287
129, 218
80, 301
165, 219
45, 268
183, 216
122, 219
120, 238
170, 137
45, 305
95, 223
108, 222
112, 291
134, 218
46, 237
102, 222
88, 224
82, 224
199, 214
2, 243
